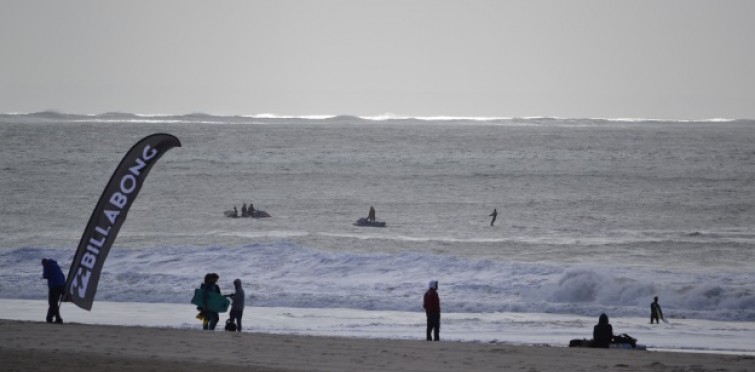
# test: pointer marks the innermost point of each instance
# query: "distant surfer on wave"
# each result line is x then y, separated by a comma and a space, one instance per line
371, 215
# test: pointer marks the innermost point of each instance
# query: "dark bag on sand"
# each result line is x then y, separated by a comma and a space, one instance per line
580, 343
624, 339
230, 325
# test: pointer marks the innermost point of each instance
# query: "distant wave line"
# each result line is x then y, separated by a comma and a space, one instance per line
213, 118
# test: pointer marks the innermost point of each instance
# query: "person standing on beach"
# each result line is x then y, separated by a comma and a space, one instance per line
494, 215
655, 311
210, 285
237, 307
56, 283
431, 303
371, 215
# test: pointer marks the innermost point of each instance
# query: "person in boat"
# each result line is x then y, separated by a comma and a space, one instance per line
235, 211
602, 333
494, 215
243, 210
655, 311
251, 210
371, 215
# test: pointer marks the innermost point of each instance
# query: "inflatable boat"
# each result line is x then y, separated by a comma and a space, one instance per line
364, 222
255, 214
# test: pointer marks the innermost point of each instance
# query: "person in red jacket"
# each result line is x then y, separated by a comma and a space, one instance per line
431, 304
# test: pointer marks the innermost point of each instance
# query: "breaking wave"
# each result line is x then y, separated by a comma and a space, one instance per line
290, 275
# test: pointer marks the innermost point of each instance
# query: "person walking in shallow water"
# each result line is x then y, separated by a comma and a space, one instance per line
56, 283
431, 303
494, 215
655, 311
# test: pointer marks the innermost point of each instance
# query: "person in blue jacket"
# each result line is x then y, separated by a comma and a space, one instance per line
56, 282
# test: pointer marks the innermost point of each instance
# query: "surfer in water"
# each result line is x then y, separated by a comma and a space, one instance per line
494, 215
655, 311
371, 215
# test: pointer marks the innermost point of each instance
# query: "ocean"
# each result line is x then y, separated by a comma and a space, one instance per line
594, 215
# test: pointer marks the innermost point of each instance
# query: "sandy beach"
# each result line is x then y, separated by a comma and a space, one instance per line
39, 346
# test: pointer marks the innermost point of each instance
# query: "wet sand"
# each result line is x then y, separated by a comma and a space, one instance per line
35, 346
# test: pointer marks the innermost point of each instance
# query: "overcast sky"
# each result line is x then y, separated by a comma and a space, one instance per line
631, 58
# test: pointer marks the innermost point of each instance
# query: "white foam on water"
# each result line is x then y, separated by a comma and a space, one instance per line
517, 328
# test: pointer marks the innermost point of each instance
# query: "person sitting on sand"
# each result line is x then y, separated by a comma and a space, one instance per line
602, 333
431, 303
371, 215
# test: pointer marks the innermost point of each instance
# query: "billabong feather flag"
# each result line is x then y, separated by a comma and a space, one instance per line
109, 215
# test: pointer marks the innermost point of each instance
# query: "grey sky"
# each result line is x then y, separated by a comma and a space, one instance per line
652, 59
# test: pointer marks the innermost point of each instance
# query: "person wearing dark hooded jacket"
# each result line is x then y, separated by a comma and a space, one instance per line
431, 303
237, 307
602, 333
56, 283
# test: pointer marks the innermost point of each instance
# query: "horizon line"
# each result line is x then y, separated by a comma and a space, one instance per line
380, 117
